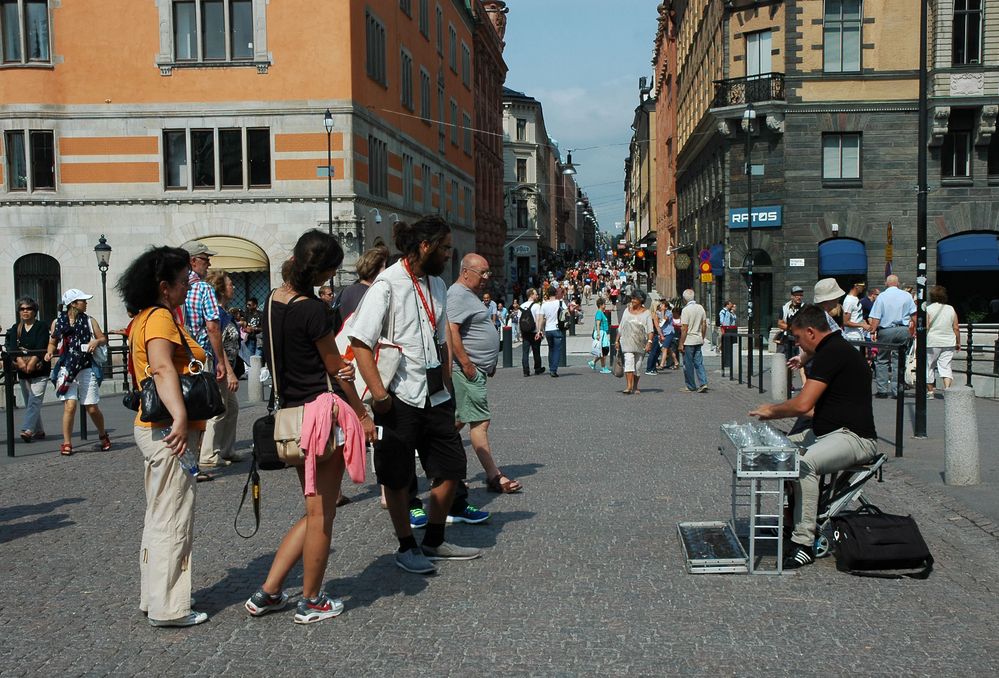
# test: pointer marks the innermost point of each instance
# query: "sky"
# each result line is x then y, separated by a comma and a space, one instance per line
582, 60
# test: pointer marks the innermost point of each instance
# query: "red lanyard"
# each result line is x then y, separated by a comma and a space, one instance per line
423, 300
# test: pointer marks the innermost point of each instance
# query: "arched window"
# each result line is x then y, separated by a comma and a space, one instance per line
37, 276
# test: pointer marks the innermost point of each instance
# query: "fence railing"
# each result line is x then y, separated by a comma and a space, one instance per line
980, 340
752, 89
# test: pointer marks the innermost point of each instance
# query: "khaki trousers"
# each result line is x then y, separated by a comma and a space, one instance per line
220, 432
168, 531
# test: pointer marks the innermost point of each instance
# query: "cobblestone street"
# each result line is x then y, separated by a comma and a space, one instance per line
582, 573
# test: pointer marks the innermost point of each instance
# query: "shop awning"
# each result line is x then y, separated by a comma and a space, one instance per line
842, 256
235, 255
969, 252
717, 259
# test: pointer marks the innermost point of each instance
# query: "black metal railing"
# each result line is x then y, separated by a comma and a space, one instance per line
752, 89
986, 346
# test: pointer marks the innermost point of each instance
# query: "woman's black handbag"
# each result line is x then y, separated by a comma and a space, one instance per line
200, 391
131, 400
871, 543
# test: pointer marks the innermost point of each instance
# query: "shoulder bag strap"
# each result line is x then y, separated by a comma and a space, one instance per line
180, 331
275, 394
252, 481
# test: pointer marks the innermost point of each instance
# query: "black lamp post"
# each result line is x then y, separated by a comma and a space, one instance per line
103, 252
328, 123
748, 117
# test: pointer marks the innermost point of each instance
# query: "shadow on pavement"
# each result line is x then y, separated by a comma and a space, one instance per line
43, 524
372, 583
240, 583
22, 510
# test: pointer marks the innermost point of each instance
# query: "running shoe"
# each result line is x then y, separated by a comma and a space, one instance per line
417, 518
261, 602
801, 556
471, 515
317, 609
414, 561
190, 620
446, 551
606, 370
592, 365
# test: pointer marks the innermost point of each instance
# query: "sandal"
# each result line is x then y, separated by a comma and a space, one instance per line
66, 449
203, 477
500, 484
105, 442
626, 392
27, 436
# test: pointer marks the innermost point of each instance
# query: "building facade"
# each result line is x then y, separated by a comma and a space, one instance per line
213, 128
640, 190
664, 140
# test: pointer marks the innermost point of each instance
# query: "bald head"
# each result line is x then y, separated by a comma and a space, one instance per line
473, 260
891, 281
474, 272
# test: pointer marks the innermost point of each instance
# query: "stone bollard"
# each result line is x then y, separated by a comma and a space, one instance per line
254, 389
961, 459
778, 377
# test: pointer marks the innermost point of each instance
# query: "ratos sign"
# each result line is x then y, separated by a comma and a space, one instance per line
763, 217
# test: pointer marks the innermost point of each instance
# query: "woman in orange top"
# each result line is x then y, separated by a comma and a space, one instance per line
155, 283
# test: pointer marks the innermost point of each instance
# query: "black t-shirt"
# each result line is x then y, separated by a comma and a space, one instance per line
301, 374
846, 402
350, 299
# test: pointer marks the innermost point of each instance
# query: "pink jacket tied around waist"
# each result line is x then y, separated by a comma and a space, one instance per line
317, 424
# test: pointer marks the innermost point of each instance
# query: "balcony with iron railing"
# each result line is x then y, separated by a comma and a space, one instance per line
749, 90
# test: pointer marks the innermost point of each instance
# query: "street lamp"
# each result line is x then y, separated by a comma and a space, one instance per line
748, 117
103, 253
328, 123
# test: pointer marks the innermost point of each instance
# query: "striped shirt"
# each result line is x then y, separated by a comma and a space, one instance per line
200, 307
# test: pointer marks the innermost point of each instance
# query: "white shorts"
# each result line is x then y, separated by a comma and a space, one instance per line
631, 361
939, 362
85, 384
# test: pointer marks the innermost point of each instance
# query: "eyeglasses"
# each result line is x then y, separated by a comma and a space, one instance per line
25, 308
483, 274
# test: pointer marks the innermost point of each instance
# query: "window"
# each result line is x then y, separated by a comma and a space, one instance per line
24, 31
466, 66
407, 7
521, 170
441, 200
955, 153
841, 36
466, 129
212, 30
454, 122
377, 167
375, 48
427, 178
967, 32
208, 159
31, 167
407, 180
758, 54
454, 198
425, 105
452, 59
425, 18
522, 214
994, 157
440, 30
441, 115
407, 79
521, 129
841, 156
469, 207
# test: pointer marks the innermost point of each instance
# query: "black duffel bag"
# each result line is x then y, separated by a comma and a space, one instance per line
871, 543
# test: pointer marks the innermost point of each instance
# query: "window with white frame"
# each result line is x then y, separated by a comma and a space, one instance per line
521, 170
452, 48
407, 180
25, 35
466, 65
967, 34
425, 18
426, 180
406, 79
212, 30
466, 129
375, 48
425, 105
31, 160
217, 159
522, 214
521, 129
377, 167
956, 150
841, 36
758, 53
841, 156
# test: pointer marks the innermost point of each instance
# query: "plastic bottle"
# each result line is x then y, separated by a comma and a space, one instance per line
188, 460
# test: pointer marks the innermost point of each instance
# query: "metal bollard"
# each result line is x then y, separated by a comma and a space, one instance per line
778, 377
961, 452
507, 346
612, 337
564, 358
254, 389
8, 392
83, 421
760, 350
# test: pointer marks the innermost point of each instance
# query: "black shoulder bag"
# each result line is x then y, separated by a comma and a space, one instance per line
871, 543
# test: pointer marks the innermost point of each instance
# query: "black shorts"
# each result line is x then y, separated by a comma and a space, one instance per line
429, 431
605, 350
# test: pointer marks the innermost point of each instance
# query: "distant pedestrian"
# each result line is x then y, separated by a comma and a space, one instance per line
531, 330
943, 338
601, 333
326, 295
669, 360
514, 320
551, 308
694, 327
30, 334
368, 266
218, 444
892, 322
634, 338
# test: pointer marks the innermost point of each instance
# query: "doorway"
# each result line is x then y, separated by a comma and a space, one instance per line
38, 276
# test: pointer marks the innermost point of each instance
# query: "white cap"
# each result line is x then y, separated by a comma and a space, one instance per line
71, 295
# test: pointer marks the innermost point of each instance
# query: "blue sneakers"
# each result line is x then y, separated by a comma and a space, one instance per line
417, 518
471, 515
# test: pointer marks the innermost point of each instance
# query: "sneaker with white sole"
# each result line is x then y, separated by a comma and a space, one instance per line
317, 609
190, 620
417, 518
702, 388
414, 561
799, 557
471, 515
261, 602
448, 551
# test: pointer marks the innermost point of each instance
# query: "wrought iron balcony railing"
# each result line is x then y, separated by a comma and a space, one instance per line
753, 89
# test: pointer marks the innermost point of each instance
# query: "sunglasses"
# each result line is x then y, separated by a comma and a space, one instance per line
26, 308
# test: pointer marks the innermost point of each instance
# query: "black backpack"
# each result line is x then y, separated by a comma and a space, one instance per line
527, 325
565, 319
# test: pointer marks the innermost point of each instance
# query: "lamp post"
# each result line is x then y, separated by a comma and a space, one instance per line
748, 118
103, 253
328, 123
921, 330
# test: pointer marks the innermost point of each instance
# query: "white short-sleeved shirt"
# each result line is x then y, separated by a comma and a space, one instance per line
693, 317
413, 331
550, 311
851, 305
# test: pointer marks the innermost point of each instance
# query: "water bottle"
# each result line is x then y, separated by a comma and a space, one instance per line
188, 460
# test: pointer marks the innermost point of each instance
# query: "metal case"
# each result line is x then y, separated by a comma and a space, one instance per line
711, 547
760, 461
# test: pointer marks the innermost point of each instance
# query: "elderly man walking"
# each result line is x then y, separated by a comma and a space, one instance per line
693, 328
892, 322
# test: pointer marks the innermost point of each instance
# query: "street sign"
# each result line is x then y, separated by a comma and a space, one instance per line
682, 261
522, 250
796, 263
704, 255
707, 277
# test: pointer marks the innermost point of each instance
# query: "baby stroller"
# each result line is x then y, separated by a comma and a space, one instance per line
836, 492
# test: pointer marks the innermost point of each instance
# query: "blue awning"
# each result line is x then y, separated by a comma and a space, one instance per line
842, 256
718, 259
969, 252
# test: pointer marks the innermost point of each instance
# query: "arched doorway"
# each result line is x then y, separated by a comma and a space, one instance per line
763, 290
967, 265
844, 259
246, 264
38, 276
